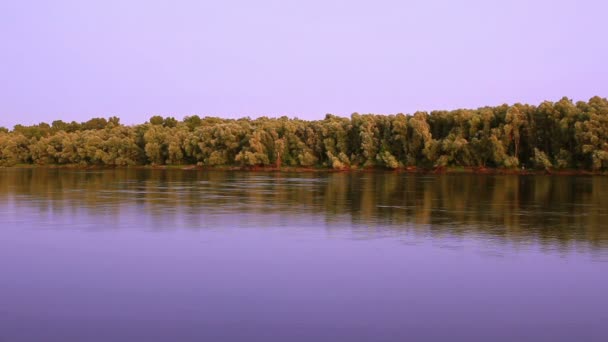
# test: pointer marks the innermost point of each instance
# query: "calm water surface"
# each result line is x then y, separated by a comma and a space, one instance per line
152, 255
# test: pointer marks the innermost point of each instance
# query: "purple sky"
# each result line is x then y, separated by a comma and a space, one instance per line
77, 59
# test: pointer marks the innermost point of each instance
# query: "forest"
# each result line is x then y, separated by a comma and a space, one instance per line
551, 136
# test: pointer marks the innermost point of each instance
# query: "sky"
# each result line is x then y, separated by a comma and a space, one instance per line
74, 60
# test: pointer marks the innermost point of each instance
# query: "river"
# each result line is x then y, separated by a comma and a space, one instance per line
187, 255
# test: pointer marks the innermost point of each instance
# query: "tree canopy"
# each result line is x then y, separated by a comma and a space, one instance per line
552, 135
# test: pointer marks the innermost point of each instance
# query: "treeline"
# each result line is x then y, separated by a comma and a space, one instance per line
553, 135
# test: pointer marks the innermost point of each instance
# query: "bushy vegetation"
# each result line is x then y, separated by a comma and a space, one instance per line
553, 135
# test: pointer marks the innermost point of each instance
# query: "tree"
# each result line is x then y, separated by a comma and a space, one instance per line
95, 123
551, 135
156, 145
157, 120
514, 122
421, 140
192, 122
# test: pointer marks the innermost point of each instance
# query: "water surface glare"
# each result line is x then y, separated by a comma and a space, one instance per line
184, 255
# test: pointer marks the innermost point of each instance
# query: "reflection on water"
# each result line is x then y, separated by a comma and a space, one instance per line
550, 210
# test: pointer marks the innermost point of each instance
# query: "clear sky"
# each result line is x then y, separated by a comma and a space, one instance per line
74, 60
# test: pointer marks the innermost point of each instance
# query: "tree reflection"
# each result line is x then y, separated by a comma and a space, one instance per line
546, 209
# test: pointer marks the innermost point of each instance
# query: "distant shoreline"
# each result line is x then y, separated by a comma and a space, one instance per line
410, 170
554, 137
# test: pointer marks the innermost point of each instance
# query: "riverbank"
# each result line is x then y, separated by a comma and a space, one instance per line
442, 170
